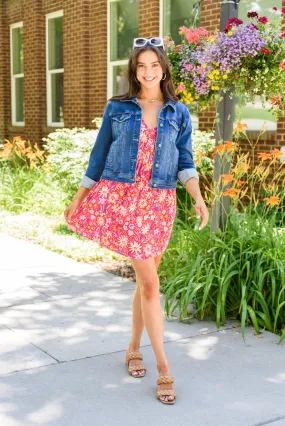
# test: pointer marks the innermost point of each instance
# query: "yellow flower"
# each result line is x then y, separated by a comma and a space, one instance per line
225, 76
228, 71
204, 66
234, 28
230, 33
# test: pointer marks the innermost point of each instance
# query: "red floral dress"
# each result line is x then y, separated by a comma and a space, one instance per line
133, 220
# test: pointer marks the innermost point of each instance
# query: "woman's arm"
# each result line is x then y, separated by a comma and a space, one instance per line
99, 151
192, 187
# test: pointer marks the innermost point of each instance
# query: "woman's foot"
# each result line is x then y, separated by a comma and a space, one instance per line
135, 362
165, 371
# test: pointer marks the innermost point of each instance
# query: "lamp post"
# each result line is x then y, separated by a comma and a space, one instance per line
224, 129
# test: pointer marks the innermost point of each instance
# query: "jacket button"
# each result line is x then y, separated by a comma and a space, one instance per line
161, 125
156, 165
159, 145
154, 184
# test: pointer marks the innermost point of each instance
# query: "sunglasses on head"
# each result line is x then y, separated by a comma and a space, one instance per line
154, 41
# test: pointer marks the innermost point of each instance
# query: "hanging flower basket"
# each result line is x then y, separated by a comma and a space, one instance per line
247, 59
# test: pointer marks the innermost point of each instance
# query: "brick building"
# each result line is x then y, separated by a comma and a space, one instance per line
61, 60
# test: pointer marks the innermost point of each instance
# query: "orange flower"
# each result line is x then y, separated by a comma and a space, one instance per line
272, 201
276, 153
240, 182
202, 154
233, 193
240, 127
227, 178
264, 156
230, 146
220, 149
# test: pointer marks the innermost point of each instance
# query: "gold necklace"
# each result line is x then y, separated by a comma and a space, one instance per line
150, 100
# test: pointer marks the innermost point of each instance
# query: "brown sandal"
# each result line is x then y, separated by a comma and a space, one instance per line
135, 355
162, 380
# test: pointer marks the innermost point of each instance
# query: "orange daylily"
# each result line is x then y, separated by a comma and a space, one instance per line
230, 146
276, 153
233, 193
240, 182
264, 156
272, 201
227, 178
240, 127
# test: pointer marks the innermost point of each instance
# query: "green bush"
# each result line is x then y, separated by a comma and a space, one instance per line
69, 151
239, 273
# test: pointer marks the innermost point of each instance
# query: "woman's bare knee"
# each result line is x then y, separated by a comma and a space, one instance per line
149, 287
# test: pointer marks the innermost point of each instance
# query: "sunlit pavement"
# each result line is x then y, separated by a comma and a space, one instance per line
64, 329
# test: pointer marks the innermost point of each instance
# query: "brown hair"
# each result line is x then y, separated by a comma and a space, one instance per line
166, 85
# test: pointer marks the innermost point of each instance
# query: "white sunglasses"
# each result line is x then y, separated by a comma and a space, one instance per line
154, 41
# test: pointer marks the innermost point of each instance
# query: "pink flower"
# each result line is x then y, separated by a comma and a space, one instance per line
282, 35
274, 8
170, 43
182, 30
188, 67
263, 20
192, 37
282, 64
181, 87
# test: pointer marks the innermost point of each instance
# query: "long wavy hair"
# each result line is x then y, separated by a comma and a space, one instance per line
166, 85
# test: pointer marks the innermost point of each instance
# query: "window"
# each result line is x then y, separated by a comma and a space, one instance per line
123, 27
54, 61
175, 14
254, 115
17, 74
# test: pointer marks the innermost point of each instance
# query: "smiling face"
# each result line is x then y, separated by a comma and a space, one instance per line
149, 71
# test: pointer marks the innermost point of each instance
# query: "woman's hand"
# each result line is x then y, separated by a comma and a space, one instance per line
71, 209
201, 210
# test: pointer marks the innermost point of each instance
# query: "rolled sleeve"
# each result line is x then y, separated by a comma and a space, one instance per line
98, 155
186, 166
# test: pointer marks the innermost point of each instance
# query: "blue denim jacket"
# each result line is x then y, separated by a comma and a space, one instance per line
115, 152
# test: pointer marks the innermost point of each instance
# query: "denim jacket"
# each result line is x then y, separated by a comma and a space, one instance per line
115, 152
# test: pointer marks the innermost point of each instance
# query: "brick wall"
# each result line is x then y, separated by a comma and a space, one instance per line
209, 19
148, 18
98, 59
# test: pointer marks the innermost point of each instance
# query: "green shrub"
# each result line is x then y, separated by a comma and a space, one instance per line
69, 151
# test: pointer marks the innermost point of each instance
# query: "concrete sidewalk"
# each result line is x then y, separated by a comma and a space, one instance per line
64, 329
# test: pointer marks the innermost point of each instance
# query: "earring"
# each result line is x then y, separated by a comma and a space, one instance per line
164, 76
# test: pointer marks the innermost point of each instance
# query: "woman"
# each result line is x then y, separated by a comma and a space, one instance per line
127, 199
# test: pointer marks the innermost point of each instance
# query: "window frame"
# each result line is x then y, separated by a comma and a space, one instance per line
14, 77
111, 64
49, 73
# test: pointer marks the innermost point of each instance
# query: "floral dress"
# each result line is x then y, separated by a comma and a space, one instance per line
133, 220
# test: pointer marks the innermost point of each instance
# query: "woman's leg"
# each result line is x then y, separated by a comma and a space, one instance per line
146, 272
138, 323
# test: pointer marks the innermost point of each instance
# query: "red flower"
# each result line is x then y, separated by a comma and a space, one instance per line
282, 64
231, 22
252, 15
283, 35
266, 51
275, 100
263, 20
283, 11
274, 8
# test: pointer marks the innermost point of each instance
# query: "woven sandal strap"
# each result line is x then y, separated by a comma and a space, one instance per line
165, 379
134, 355
166, 393
136, 368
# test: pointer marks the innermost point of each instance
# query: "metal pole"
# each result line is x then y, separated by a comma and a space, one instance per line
224, 129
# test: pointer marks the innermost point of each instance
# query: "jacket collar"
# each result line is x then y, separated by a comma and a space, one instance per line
135, 100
